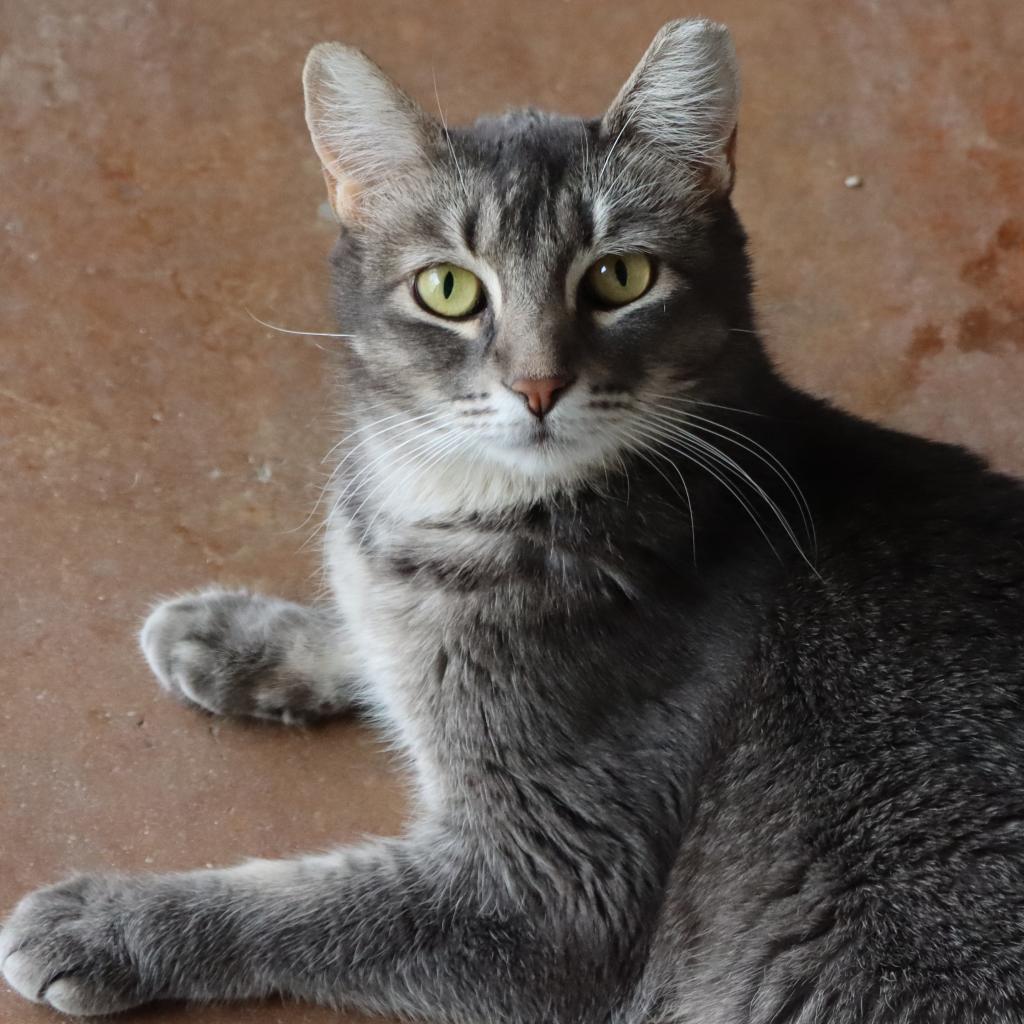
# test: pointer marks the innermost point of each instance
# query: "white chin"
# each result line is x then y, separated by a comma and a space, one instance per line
549, 459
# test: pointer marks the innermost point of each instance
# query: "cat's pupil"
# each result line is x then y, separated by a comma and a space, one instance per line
449, 284
621, 273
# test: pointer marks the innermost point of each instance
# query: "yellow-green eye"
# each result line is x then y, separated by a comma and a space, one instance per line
617, 280
448, 290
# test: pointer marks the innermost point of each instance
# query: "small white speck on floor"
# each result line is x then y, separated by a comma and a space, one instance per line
264, 473
853, 181
216, 473
157, 417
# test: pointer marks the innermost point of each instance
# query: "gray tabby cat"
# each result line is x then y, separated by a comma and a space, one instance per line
714, 695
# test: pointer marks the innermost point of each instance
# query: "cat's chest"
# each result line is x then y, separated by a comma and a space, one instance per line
416, 645
439, 623
409, 607
394, 623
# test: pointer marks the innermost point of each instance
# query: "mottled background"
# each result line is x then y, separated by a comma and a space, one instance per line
156, 182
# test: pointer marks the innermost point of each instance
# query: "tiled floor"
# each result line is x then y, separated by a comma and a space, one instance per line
157, 184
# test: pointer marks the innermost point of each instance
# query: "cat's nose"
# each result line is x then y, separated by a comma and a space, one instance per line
540, 393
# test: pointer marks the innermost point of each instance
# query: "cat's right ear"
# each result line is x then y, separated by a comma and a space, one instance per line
365, 130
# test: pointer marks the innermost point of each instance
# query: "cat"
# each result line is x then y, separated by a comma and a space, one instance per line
713, 694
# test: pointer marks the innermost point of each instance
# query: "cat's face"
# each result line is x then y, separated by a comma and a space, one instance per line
536, 293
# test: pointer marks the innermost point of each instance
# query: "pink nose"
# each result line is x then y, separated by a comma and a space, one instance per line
540, 393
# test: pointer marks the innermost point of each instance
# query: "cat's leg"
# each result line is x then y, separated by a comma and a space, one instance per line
236, 653
390, 927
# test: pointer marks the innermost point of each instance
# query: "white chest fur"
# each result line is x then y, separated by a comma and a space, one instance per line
396, 633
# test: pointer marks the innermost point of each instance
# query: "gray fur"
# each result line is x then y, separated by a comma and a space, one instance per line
713, 694
235, 653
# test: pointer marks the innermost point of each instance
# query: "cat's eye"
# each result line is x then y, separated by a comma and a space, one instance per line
449, 291
618, 279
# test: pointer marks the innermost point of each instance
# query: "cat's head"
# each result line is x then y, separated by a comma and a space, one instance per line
537, 295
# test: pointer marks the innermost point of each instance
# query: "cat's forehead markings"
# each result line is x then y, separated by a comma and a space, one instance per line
469, 227
587, 220
601, 216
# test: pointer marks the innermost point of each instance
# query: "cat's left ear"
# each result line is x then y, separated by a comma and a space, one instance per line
366, 131
680, 105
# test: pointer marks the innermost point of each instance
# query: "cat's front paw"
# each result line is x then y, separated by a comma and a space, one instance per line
189, 644
236, 653
64, 946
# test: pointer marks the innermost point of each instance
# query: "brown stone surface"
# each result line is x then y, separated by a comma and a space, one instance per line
157, 183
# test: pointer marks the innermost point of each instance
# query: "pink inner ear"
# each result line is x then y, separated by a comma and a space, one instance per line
342, 195
730, 157
730, 151
710, 176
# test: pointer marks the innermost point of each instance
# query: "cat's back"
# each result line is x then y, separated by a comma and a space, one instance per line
858, 853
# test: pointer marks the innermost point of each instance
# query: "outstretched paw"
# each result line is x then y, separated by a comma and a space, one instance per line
63, 946
236, 653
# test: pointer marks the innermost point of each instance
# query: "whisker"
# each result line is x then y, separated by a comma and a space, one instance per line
358, 429
625, 125
407, 460
712, 453
285, 330
638, 444
448, 137
762, 454
351, 484
434, 452
727, 462
710, 405
353, 450
335, 471
708, 466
